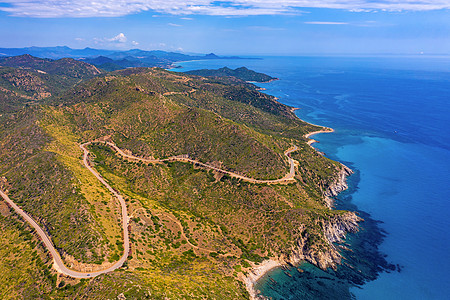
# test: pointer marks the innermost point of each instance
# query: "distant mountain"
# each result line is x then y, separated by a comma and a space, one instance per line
168, 56
99, 60
117, 59
54, 52
211, 56
141, 58
240, 73
122, 60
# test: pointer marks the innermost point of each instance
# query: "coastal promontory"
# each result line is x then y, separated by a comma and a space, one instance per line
202, 180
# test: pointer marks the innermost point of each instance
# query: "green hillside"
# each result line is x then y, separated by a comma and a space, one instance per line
67, 67
241, 73
194, 232
25, 80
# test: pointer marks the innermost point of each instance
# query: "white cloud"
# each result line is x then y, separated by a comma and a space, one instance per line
174, 25
120, 38
114, 8
265, 28
118, 41
134, 43
327, 23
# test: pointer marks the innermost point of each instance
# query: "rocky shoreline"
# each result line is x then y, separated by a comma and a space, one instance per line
334, 230
339, 185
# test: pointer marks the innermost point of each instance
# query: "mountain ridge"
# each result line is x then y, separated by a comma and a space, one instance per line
26, 80
140, 58
194, 231
241, 73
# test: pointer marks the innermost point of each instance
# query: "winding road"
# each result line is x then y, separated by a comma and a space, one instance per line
58, 263
288, 177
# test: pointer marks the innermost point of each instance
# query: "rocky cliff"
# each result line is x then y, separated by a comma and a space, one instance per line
334, 231
338, 185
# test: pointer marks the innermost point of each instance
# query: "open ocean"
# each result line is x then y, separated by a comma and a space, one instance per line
391, 117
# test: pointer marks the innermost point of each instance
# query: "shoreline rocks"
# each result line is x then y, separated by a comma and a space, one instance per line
337, 186
334, 229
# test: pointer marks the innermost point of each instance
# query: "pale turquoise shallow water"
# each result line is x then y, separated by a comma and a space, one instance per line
391, 116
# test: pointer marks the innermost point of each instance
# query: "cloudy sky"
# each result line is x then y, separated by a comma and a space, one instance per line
283, 27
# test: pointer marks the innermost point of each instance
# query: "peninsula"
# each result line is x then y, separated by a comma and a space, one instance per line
241, 73
155, 183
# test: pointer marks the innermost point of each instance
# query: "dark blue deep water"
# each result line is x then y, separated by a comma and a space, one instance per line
392, 119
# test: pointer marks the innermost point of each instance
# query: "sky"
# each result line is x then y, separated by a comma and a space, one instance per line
239, 27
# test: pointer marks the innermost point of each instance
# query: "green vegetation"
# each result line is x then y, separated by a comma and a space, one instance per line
66, 67
241, 73
192, 230
25, 266
26, 80
42, 185
27, 274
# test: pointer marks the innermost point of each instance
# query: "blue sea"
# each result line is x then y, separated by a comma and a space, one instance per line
391, 117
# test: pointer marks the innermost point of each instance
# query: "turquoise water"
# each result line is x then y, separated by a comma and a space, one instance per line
400, 185
391, 116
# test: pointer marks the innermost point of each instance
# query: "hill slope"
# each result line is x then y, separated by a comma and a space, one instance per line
26, 79
241, 73
64, 66
194, 232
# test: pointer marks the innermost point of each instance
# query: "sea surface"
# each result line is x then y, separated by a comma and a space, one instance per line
391, 117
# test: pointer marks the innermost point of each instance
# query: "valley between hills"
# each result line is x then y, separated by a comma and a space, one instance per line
154, 184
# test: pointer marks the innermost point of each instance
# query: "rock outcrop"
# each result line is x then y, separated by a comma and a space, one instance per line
338, 226
338, 185
334, 231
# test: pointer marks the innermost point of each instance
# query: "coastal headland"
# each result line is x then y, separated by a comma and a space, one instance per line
335, 233
198, 183
309, 135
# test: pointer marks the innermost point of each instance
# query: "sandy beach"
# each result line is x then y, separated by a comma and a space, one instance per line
308, 135
312, 141
256, 273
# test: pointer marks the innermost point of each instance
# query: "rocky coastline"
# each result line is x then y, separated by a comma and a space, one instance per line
335, 230
337, 186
